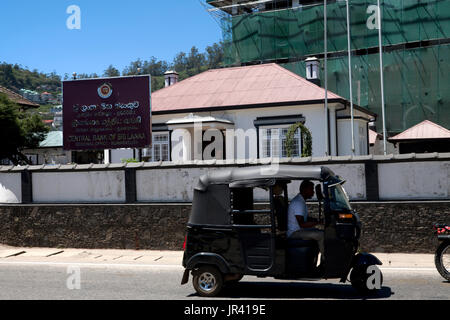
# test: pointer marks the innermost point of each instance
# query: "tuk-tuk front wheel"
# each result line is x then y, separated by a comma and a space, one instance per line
362, 280
207, 281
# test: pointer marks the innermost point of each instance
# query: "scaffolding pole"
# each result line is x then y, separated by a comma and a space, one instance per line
380, 43
350, 76
325, 45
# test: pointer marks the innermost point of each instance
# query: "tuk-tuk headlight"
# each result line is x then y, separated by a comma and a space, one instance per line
345, 216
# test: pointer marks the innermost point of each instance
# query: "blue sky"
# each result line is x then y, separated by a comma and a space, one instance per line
34, 33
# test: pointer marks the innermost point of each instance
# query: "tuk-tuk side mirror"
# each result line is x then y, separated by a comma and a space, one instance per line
319, 194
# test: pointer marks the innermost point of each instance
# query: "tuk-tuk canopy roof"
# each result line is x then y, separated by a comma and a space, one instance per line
251, 176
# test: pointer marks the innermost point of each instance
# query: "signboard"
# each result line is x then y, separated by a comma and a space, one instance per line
108, 113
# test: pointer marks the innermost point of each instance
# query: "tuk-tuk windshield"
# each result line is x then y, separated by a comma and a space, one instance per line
339, 198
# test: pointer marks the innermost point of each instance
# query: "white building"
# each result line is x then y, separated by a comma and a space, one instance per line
256, 104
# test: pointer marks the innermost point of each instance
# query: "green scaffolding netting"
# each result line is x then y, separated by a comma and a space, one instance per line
416, 60
417, 83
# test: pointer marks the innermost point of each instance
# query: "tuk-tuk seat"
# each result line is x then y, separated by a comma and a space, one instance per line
300, 243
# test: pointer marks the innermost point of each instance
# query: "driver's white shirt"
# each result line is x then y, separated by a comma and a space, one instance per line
297, 207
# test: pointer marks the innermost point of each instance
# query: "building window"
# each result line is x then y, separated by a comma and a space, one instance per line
273, 143
160, 148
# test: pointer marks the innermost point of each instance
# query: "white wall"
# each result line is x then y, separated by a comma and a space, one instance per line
315, 121
10, 188
178, 184
414, 180
345, 137
397, 181
167, 185
92, 186
244, 119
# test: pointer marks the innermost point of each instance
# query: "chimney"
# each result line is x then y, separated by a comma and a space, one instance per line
171, 77
312, 70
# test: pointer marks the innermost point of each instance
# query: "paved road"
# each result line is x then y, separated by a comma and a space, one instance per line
40, 273
38, 281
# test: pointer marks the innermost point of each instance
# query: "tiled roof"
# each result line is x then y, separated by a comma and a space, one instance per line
424, 130
17, 98
238, 86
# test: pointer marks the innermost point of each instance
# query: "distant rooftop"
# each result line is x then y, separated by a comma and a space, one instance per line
17, 98
423, 131
54, 139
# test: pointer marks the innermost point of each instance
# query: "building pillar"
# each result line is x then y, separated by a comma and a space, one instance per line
27, 187
372, 190
130, 185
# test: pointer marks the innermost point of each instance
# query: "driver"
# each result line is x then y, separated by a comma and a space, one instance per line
299, 226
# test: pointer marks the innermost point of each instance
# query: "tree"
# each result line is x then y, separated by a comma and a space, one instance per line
155, 67
34, 129
306, 138
195, 60
215, 55
7, 78
180, 62
87, 76
10, 128
111, 72
20, 129
132, 69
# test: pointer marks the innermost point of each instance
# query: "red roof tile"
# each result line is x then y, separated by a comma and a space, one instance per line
239, 86
424, 130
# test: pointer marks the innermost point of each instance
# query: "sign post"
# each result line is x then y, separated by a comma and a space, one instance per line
107, 113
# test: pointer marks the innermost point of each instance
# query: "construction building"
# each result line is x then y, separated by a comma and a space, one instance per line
415, 38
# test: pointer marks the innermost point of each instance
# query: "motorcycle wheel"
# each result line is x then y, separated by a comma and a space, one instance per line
442, 259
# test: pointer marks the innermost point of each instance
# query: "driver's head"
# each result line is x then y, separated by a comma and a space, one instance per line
307, 189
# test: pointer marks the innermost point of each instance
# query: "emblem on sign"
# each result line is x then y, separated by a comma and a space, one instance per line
105, 91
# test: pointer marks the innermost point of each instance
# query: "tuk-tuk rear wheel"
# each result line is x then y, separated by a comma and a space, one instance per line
359, 278
207, 281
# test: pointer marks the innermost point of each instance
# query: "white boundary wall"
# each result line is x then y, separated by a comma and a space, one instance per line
418, 180
177, 184
10, 188
167, 182
92, 186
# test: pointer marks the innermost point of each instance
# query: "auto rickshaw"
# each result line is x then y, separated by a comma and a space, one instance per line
230, 236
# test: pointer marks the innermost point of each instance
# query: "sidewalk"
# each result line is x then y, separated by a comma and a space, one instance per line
91, 256
162, 258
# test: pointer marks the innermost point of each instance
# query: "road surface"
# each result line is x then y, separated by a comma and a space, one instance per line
68, 274
126, 282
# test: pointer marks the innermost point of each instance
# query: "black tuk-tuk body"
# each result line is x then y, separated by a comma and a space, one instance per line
228, 236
